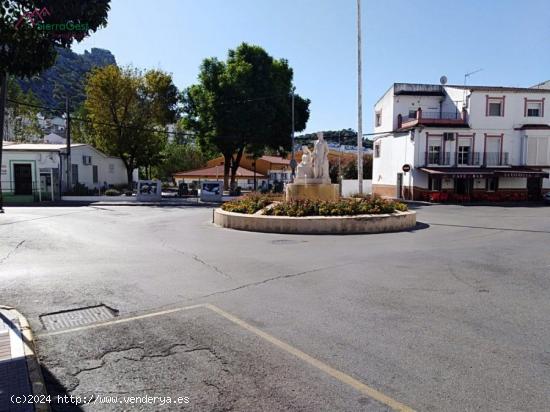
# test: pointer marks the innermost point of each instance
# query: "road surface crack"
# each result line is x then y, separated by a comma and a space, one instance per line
286, 276
11, 252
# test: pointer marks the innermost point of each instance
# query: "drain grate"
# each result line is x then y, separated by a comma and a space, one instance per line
77, 317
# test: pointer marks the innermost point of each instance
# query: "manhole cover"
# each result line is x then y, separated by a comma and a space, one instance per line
77, 317
287, 241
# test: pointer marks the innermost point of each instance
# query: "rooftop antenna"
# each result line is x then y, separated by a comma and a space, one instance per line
466, 76
470, 74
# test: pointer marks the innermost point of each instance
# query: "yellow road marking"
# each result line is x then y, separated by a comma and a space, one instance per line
329, 370
123, 320
341, 376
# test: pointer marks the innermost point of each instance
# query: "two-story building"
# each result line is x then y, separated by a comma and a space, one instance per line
457, 143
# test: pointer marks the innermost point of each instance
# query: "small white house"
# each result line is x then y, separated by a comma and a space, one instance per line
53, 138
37, 172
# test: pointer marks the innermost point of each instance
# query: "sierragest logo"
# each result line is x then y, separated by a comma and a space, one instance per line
63, 27
35, 18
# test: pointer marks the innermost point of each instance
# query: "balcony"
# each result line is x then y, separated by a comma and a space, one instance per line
433, 118
496, 159
466, 159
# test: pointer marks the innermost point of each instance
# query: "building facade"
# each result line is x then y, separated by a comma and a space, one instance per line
244, 178
462, 143
37, 172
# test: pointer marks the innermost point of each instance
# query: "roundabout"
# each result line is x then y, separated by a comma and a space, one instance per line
358, 224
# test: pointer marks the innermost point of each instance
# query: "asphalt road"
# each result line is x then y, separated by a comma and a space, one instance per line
453, 316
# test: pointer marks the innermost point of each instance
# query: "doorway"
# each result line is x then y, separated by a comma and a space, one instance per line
534, 188
22, 176
399, 186
463, 186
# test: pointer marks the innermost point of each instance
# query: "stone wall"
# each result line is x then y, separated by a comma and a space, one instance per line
317, 224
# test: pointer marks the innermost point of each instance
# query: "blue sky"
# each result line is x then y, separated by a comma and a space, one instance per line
403, 41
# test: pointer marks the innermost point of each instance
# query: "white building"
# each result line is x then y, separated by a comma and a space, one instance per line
53, 138
462, 142
37, 172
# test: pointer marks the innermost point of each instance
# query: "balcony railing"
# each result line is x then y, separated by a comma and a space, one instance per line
435, 158
431, 117
438, 159
468, 159
436, 115
496, 159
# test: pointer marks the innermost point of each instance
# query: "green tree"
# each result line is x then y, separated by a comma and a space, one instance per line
177, 157
243, 103
349, 170
21, 124
25, 51
129, 110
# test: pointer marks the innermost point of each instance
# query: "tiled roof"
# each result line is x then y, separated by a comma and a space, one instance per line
217, 171
276, 160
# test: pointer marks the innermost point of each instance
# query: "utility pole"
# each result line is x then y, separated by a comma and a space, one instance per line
3, 93
293, 159
68, 139
359, 103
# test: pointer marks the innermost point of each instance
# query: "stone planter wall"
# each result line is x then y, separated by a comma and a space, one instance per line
316, 224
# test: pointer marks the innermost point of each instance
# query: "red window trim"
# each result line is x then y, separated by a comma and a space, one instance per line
487, 98
526, 101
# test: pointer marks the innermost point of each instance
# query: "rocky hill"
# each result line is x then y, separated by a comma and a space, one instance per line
66, 76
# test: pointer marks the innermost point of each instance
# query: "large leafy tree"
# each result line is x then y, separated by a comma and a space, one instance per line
243, 104
25, 51
129, 110
21, 123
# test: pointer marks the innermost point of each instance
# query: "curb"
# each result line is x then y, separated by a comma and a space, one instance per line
33, 366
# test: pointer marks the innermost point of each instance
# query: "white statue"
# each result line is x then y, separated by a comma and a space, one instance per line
304, 170
320, 159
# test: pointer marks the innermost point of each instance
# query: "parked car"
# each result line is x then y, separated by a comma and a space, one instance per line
546, 198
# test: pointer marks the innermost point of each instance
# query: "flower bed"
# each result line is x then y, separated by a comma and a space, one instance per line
368, 205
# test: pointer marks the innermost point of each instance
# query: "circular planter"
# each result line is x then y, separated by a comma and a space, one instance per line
316, 224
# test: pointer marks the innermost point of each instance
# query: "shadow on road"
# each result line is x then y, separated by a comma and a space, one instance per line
60, 396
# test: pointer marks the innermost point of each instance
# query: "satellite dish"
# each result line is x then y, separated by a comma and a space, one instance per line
443, 80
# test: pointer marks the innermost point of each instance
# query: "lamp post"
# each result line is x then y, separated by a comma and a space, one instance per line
359, 104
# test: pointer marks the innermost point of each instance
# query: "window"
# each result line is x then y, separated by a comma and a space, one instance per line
377, 149
412, 113
495, 109
378, 119
434, 155
492, 184
495, 106
534, 109
95, 174
463, 155
434, 184
111, 168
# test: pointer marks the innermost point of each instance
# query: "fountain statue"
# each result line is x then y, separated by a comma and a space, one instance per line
312, 179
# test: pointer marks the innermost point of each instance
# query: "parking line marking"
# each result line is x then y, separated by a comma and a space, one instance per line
123, 320
329, 370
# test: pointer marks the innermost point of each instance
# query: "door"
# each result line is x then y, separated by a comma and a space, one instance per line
22, 176
463, 186
399, 186
534, 188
